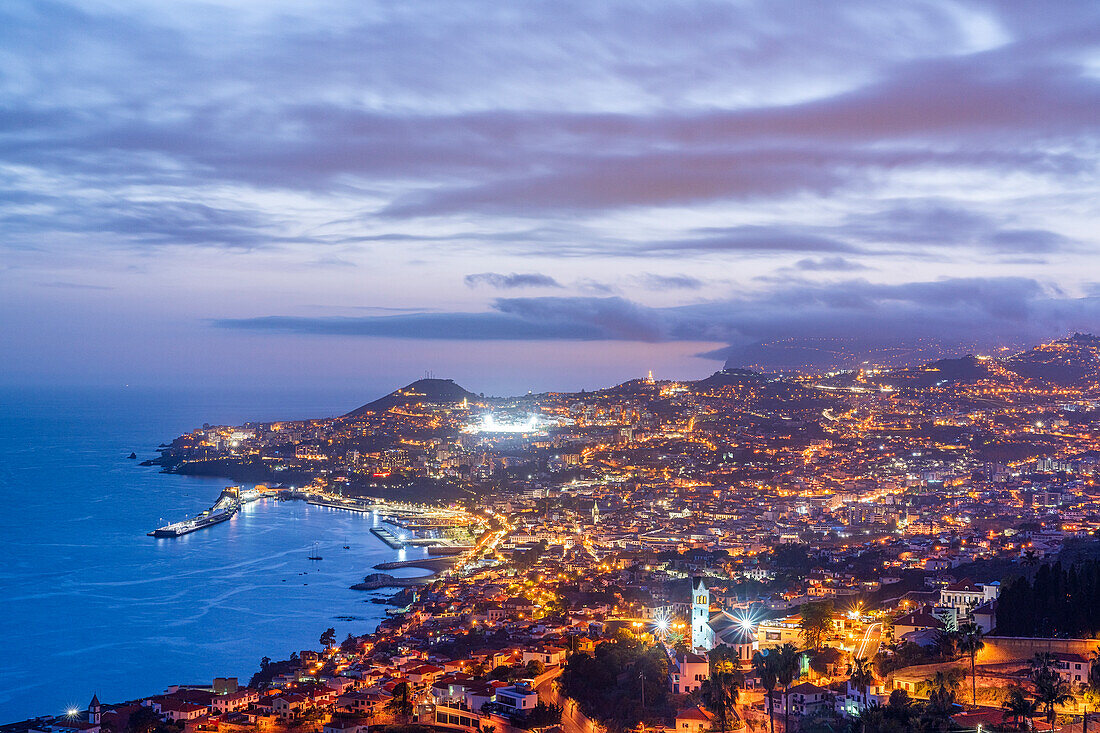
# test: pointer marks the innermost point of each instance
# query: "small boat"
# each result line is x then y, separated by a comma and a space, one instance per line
346, 545
315, 556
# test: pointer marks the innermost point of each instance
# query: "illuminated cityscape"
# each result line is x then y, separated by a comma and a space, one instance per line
859, 530
708, 366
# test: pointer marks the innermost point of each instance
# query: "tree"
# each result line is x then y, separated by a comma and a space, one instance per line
401, 704
542, 715
817, 620
143, 720
970, 642
942, 689
1016, 706
328, 638
265, 662
788, 666
1050, 691
862, 675
1090, 695
349, 644
765, 667
720, 695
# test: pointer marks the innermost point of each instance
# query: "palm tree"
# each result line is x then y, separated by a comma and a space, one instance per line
1051, 690
765, 667
1016, 706
788, 666
1090, 695
941, 689
862, 675
970, 642
1090, 691
720, 695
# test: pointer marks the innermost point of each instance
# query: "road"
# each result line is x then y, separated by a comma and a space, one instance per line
572, 719
872, 637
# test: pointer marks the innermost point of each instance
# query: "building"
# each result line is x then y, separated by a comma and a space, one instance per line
518, 698
806, 699
688, 671
966, 595
693, 720
702, 636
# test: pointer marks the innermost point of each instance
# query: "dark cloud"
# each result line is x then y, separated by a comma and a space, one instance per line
959, 308
511, 281
937, 223
503, 117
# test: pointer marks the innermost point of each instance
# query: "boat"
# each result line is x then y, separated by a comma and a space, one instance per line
224, 508
346, 545
315, 556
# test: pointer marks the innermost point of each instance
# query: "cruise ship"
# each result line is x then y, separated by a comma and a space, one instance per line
228, 503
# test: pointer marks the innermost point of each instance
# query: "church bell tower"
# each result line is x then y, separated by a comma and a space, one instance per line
700, 615
94, 712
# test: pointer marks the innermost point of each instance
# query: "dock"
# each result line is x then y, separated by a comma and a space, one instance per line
394, 542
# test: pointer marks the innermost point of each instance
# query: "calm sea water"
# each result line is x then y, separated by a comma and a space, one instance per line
91, 604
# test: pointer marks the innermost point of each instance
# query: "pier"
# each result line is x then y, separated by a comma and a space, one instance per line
388, 537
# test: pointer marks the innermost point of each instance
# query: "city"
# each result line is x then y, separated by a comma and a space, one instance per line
482, 366
748, 550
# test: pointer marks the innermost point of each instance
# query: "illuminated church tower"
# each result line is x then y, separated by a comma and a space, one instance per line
595, 513
94, 711
702, 637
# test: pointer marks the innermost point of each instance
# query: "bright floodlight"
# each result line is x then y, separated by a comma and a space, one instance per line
746, 624
489, 424
662, 624
71, 712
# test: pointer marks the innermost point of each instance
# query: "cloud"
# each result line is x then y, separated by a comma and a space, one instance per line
957, 308
828, 264
511, 281
939, 223
652, 281
75, 286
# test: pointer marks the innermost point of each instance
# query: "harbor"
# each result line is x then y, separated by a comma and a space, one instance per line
444, 532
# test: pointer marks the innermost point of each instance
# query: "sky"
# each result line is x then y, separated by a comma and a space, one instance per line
534, 195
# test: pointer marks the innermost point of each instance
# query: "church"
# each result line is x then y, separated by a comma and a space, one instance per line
712, 628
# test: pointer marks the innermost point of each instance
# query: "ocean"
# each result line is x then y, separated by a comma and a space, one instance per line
93, 605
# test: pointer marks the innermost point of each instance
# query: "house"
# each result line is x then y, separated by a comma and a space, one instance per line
477, 695
234, 701
965, 595
856, 700
1073, 668
687, 673
549, 655
288, 706
424, 674
362, 701
693, 720
518, 698
806, 699
177, 711
985, 616
919, 620
780, 631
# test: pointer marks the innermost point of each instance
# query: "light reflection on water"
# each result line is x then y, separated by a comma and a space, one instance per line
91, 604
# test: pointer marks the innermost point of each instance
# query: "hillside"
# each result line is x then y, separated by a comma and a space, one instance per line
433, 391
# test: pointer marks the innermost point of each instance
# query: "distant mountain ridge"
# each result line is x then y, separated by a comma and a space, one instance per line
434, 391
1070, 361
